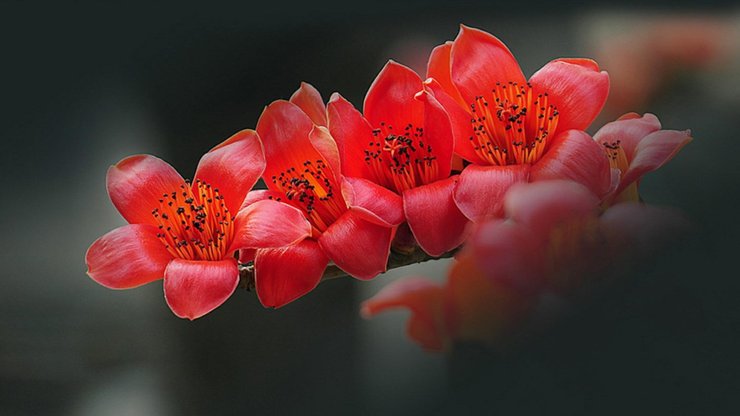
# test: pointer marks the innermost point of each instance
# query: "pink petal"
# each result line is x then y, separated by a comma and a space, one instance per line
635, 230
283, 275
439, 67
628, 131
357, 246
654, 151
424, 299
542, 205
233, 167
376, 204
479, 61
390, 99
434, 219
576, 88
576, 156
352, 134
194, 288
480, 191
269, 224
137, 183
309, 100
127, 257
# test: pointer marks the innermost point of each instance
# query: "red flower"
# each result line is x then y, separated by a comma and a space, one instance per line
636, 145
512, 129
188, 232
403, 143
353, 220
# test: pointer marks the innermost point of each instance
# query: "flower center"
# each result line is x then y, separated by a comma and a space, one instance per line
401, 160
511, 125
194, 223
617, 157
311, 190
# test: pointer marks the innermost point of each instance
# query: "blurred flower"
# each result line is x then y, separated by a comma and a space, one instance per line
403, 143
550, 246
636, 145
515, 130
353, 220
188, 232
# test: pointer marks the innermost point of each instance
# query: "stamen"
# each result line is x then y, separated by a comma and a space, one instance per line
512, 125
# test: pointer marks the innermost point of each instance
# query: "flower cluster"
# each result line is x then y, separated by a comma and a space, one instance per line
429, 162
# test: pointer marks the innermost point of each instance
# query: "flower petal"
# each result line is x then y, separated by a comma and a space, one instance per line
628, 131
282, 275
137, 183
459, 117
390, 99
194, 288
480, 191
439, 68
324, 143
352, 134
269, 224
479, 61
309, 100
357, 246
377, 204
127, 257
233, 167
437, 133
654, 151
261, 195
576, 156
434, 219
636, 230
576, 88
424, 299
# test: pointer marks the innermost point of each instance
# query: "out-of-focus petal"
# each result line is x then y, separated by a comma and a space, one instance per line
576, 87
127, 257
309, 100
194, 288
390, 99
479, 61
357, 246
233, 167
628, 131
434, 219
283, 275
424, 299
269, 224
654, 151
137, 183
635, 230
377, 204
480, 191
576, 156
352, 134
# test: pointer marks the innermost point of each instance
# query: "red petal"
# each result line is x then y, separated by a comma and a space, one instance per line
628, 131
434, 219
261, 195
194, 288
480, 191
437, 132
439, 68
358, 247
543, 204
136, 184
309, 100
654, 151
459, 117
233, 167
576, 156
352, 134
576, 88
424, 299
479, 61
390, 99
282, 275
127, 257
377, 204
269, 224
326, 146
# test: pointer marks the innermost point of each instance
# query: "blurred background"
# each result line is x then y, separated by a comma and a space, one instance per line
86, 84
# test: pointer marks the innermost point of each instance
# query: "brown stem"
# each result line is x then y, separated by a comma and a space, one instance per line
395, 260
